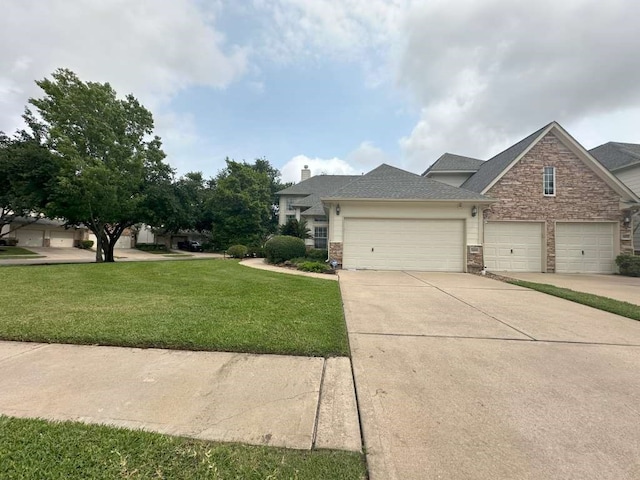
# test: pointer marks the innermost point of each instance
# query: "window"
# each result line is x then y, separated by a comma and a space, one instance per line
290, 201
320, 237
549, 181
290, 217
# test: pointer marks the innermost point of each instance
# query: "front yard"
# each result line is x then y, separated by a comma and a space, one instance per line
196, 305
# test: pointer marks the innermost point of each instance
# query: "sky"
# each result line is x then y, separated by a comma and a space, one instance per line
339, 85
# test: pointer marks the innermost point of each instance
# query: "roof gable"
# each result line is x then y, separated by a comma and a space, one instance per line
450, 162
495, 168
616, 155
390, 183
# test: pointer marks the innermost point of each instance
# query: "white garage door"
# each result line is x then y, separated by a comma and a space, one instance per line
513, 246
62, 239
585, 248
29, 238
123, 242
429, 245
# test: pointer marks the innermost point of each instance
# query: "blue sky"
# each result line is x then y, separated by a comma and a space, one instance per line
340, 85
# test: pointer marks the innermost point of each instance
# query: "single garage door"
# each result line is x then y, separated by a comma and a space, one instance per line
394, 244
62, 239
29, 238
513, 246
585, 248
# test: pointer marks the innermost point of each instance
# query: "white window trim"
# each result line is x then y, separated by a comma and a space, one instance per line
325, 237
544, 182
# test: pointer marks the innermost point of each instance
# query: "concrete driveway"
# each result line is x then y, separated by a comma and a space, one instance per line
464, 377
626, 289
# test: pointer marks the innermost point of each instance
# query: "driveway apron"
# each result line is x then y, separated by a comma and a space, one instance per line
464, 377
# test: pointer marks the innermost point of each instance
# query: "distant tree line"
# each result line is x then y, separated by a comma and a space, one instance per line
88, 157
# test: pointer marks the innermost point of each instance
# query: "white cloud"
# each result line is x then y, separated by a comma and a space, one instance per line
149, 49
368, 156
489, 72
318, 166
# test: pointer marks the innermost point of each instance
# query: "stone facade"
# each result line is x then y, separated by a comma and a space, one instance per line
475, 259
335, 252
580, 195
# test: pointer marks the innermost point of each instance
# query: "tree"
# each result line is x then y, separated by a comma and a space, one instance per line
295, 228
262, 165
110, 166
27, 175
240, 205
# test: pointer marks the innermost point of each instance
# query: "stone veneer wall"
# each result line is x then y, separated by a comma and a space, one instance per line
580, 194
475, 261
335, 251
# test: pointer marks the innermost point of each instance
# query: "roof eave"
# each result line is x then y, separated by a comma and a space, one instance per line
433, 200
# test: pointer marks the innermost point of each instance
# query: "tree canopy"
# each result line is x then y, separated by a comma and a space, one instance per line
111, 167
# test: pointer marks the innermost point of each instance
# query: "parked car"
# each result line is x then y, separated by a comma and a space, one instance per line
191, 246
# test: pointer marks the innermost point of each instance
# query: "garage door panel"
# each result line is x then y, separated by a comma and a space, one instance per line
62, 239
403, 244
513, 246
585, 247
30, 238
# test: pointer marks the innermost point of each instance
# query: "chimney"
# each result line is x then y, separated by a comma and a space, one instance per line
305, 174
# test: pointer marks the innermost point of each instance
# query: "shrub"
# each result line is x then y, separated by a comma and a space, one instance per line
237, 251
629, 265
152, 247
298, 260
255, 251
281, 248
295, 228
85, 244
9, 242
316, 267
317, 254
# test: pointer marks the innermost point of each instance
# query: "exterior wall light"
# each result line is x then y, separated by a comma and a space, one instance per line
626, 220
474, 211
338, 209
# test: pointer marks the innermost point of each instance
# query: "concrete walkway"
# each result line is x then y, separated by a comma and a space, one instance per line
260, 264
285, 401
618, 287
463, 377
46, 256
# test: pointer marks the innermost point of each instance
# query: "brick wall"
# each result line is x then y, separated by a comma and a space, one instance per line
475, 261
335, 251
580, 194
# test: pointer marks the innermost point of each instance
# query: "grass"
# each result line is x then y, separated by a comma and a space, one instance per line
11, 251
196, 305
67, 450
618, 307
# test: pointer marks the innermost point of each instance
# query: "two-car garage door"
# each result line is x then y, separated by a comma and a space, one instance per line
403, 244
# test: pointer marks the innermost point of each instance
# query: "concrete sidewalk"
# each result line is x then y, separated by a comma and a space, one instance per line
294, 402
47, 256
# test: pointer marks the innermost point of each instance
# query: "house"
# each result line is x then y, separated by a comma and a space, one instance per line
145, 234
544, 204
623, 160
302, 202
44, 232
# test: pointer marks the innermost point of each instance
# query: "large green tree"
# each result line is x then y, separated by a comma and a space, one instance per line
27, 175
111, 167
239, 208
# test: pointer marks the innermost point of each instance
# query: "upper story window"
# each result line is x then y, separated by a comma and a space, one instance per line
549, 181
290, 201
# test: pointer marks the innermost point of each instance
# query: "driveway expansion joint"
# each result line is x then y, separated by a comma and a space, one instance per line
314, 435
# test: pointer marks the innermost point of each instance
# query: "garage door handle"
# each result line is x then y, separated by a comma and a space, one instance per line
372, 249
512, 250
583, 252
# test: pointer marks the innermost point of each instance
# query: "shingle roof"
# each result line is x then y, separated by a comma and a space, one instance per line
450, 162
387, 182
319, 184
493, 167
315, 210
615, 155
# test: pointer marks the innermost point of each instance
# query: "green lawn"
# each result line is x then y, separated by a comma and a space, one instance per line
38, 449
11, 251
195, 305
624, 309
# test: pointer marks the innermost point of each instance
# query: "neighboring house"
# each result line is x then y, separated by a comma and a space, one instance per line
302, 201
145, 234
543, 205
126, 240
623, 160
44, 232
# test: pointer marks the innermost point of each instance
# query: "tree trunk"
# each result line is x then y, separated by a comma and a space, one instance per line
99, 245
110, 243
